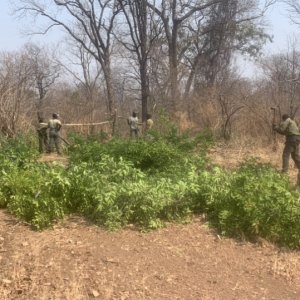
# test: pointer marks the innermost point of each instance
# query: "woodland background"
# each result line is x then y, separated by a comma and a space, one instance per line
148, 56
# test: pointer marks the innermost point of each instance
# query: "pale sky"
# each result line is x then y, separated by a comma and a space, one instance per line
281, 27
283, 31
12, 36
12, 39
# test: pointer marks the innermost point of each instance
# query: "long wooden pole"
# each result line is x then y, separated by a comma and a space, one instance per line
87, 124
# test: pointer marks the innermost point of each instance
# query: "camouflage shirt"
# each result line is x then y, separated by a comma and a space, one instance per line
54, 125
288, 128
133, 123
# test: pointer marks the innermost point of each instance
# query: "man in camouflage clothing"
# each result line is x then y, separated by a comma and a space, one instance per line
42, 135
133, 123
54, 126
289, 128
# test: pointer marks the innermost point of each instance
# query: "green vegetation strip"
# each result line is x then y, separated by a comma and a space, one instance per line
149, 182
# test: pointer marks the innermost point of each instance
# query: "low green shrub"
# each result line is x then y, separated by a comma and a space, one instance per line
255, 200
19, 150
113, 193
37, 194
151, 156
149, 182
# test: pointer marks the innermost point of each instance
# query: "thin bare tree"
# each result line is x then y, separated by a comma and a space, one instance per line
282, 76
142, 35
15, 92
90, 23
86, 73
43, 72
181, 19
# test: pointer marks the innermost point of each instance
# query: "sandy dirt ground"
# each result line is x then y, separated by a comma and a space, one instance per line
77, 260
231, 156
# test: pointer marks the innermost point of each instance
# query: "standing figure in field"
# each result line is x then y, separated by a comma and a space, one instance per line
54, 126
149, 123
148, 126
289, 128
42, 135
133, 123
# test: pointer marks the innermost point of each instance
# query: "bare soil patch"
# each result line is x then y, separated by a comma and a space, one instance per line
53, 158
77, 260
230, 157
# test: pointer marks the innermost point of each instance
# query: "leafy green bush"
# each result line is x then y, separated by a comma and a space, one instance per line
95, 187
39, 195
253, 201
19, 150
153, 156
15, 154
149, 182
113, 193
167, 130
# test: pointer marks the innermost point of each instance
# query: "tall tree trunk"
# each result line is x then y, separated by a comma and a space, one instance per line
144, 91
109, 86
143, 33
173, 65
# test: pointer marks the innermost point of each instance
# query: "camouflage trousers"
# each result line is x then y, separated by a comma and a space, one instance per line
291, 149
43, 140
134, 132
54, 140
